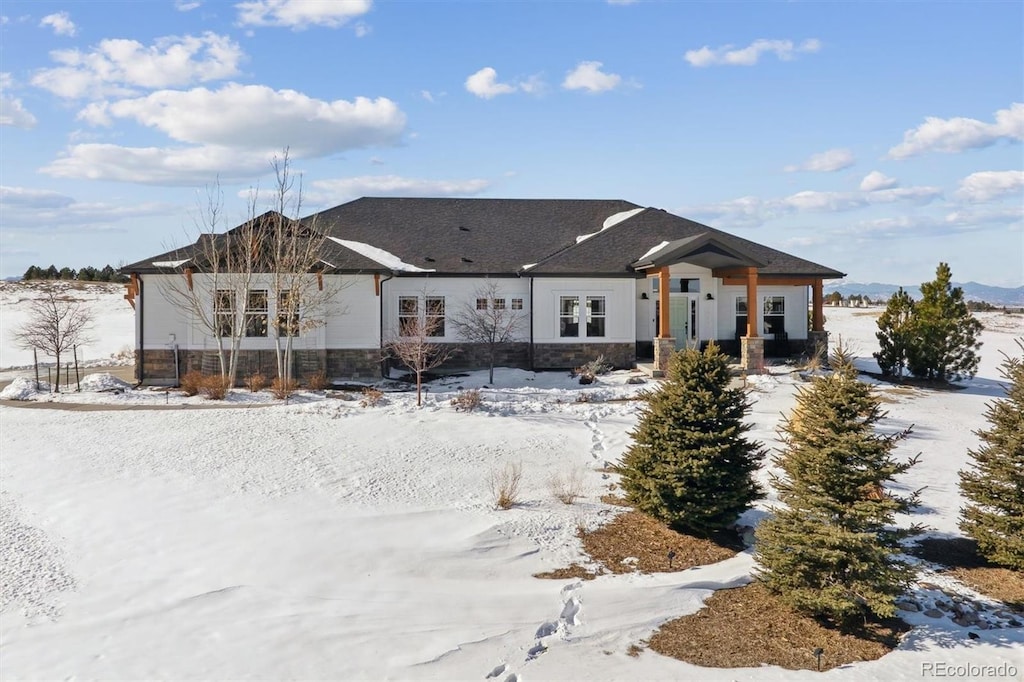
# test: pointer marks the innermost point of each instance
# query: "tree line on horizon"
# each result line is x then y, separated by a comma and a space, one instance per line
87, 274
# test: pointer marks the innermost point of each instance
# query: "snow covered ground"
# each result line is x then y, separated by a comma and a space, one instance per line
326, 540
113, 330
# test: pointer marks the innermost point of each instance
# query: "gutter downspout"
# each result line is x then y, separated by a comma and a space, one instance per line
532, 363
142, 332
380, 327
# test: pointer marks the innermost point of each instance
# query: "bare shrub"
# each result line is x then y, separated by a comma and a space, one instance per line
467, 401
317, 382
192, 382
256, 382
282, 388
505, 484
371, 397
214, 387
567, 486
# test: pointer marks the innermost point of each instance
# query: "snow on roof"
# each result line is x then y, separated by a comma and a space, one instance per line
653, 250
170, 263
388, 260
529, 265
611, 221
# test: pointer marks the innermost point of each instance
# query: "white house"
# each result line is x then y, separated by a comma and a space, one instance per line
591, 277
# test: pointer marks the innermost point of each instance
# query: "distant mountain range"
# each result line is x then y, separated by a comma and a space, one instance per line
973, 291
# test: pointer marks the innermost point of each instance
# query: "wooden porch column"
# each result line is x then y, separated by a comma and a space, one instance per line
665, 326
752, 302
817, 307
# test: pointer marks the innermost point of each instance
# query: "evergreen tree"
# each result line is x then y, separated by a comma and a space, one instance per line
67, 273
832, 551
107, 274
945, 333
895, 334
33, 272
690, 464
994, 486
51, 273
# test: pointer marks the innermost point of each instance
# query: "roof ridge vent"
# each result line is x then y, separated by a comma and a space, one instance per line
465, 260
428, 259
463, 228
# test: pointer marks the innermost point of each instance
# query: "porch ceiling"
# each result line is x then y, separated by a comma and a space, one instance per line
703, 250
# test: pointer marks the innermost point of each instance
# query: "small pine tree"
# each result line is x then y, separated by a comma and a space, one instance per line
994, 485
945, 333
832, 551
895, 334
690, 464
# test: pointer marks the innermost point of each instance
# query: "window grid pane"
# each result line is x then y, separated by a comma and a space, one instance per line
569, 316
596, 314
517, 304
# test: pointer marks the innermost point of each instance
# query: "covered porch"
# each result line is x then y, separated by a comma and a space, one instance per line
760, 327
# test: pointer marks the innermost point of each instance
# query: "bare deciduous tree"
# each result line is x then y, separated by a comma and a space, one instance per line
488, 319
55, 326
222, 277
294, 252
215, 278
416, 347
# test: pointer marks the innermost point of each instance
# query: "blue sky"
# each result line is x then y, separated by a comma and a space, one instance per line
875, 138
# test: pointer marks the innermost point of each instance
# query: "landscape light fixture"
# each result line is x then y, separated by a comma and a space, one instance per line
709, 297
817, 654
643, 295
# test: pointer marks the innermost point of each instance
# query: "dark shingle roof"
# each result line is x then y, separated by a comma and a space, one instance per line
501, 236
613, 250
336, 257
467, 236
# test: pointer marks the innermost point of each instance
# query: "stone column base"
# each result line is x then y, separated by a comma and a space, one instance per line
751, 353
817, 344
663, 350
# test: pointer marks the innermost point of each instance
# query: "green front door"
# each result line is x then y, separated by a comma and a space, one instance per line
680, 312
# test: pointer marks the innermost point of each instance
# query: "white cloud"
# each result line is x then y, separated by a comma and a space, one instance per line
257, 117
329, 191
300, 14
232, 131
60, 22
33, 198
876, 180
118, 67
988, 185
425, 94
588, 76
729, 55
825, 162
954, 222
752, 211
484, 83
186, 5
362, 29
958, 134
12, 111
185, 166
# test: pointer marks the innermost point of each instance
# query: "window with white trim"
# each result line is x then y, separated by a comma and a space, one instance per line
517, 304
408, 314
287, 314
481, 304
224, 312
435, 316
596, 315
498, 304
774, 314
568, 316
256, 309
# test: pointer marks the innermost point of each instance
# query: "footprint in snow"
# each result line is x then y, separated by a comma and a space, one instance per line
535, 651
498, 669
546, 630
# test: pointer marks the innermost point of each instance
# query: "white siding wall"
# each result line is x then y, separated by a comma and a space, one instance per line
796, 309
459, 293
620, 295
352, 316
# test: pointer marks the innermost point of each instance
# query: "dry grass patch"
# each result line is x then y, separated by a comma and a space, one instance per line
750, 628
616, 500
961, 557
570, 572
633, 535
